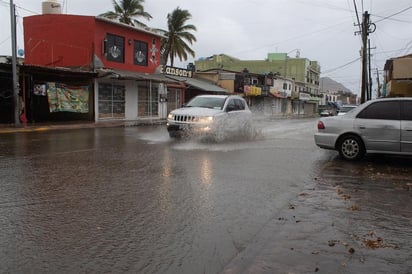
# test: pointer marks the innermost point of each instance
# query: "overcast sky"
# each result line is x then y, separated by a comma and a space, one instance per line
322, 30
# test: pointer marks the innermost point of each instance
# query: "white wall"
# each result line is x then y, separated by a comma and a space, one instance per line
131, 100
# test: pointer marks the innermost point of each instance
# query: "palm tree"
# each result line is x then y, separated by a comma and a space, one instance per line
177, 36
126, 11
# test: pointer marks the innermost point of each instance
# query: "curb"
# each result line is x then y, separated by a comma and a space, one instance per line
41, 128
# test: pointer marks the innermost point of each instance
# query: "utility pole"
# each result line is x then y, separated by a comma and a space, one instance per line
365, 30
365, 22
369, 71
14, 66
379, 85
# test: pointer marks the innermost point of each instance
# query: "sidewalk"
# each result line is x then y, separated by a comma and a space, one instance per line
31, 127
353, 223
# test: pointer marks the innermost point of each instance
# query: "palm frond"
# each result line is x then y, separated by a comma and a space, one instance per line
178, 35
127, 12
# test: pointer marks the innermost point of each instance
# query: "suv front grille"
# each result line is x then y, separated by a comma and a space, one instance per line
185, 118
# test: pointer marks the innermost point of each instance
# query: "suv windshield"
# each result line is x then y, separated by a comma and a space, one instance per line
207, 102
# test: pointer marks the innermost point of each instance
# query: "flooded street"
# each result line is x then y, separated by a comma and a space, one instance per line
133, 200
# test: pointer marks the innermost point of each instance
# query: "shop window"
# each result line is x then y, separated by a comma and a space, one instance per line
111, 101
114, 48
140, 53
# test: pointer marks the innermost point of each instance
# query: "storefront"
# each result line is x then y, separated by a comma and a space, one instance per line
121, 95
55, 95
6, 95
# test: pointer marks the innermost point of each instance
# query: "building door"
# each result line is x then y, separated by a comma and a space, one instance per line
162, 90
147, 100
6, 100
174, 99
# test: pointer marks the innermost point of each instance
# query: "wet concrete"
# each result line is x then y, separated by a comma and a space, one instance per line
352, 218
132, 200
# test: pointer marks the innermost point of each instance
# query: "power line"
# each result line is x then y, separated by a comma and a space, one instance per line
341, 66
357, 15
27, 10
5, 40
396, 13
300, 36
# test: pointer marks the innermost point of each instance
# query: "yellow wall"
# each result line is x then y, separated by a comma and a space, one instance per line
400, 88
214, 77
402, 68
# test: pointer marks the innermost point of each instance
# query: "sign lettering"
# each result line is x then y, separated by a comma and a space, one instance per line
177, 71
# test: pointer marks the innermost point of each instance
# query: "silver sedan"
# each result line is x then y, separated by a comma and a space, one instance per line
377, 126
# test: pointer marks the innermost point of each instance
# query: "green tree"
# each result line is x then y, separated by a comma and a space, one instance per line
177, 37
126, 11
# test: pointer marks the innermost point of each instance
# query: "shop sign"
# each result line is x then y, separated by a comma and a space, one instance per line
177, 71
252, 90
67, 98
304, 96
277, 93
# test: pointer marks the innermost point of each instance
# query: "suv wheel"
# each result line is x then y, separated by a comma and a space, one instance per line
351, 148
174, 134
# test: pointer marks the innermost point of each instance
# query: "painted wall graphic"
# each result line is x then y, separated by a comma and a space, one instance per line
62, 97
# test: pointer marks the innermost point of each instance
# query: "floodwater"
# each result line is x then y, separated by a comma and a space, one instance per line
133, 200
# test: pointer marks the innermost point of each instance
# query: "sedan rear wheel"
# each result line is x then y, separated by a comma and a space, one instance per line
351, 148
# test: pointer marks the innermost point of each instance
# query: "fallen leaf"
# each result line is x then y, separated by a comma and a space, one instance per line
354, 208
373, 241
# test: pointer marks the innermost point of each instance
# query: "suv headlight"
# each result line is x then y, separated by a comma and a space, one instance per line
170, 116
206, 119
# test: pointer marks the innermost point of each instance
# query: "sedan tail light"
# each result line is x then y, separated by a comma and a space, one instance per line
321, 125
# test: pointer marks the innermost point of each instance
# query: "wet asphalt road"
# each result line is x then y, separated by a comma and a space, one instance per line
131, 200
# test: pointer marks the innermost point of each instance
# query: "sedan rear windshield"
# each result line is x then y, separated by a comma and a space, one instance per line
346, 109
207, 102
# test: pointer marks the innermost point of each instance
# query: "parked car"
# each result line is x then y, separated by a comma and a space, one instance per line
325, 113
211, 117
345, 109
377, 126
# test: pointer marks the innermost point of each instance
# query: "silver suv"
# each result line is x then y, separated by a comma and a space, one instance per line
211, 116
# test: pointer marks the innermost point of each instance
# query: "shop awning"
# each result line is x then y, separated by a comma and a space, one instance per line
129, 75
199, 84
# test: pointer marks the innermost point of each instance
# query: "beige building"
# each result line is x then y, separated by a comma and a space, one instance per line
279, 85
302, 70
398, 77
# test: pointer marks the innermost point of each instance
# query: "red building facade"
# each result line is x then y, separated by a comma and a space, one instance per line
125, 60
59, 40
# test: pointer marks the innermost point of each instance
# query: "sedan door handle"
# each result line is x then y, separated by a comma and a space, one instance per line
362, 127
